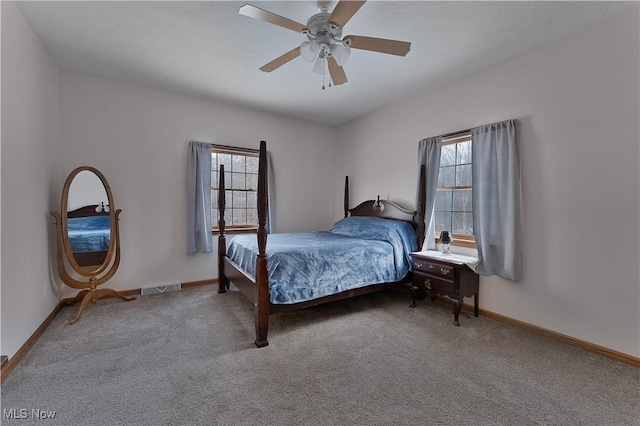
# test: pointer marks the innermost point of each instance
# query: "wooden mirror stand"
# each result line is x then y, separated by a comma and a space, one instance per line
88, 237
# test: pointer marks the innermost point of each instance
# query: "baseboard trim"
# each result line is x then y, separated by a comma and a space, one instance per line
591, 347
189, 284
9, 364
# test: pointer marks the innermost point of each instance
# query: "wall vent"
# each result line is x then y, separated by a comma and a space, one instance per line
156, 289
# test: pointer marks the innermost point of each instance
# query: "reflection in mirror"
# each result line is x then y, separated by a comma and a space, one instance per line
88, 221
86, 188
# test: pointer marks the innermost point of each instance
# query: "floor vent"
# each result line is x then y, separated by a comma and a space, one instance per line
146, 291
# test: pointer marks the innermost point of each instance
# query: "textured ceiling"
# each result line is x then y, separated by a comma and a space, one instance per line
206, 49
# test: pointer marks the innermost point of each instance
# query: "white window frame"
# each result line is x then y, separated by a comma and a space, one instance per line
463, 240
251, 190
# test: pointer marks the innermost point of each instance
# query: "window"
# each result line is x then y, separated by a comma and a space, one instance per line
241, 184
453, 209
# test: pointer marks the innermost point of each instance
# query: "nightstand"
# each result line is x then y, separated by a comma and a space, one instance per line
445, 275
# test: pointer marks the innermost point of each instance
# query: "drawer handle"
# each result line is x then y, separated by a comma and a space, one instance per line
430, 266
418, 265
445, 271
427, 284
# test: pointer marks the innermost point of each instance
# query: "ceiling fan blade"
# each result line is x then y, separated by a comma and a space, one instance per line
382, 45
263, 15
337, 72
281, 60
344, 11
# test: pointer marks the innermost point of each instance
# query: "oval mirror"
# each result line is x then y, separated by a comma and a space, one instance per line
87, 221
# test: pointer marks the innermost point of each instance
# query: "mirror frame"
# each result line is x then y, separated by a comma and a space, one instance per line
65, 231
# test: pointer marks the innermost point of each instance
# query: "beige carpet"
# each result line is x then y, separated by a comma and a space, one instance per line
187, 358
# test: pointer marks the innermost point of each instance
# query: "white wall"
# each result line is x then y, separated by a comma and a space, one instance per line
577, 101
138, 138
30, 169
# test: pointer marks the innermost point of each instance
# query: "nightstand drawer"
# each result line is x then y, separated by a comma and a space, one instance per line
434, 268
434, 284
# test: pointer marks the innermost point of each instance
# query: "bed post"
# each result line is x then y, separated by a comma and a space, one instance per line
262, 274
222, 241
421, 206
346, 196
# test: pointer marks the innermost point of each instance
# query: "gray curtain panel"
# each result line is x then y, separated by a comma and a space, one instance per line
199, 238
429, 154
496, 199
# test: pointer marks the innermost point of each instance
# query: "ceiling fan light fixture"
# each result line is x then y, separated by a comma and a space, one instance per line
320, 67
340, 53
309, 50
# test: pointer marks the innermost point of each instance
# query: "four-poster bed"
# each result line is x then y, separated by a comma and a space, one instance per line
375, 233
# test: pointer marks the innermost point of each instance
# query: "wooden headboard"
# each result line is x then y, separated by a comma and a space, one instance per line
87, 211
390, 210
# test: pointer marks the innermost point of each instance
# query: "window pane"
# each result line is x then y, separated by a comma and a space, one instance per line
214, 217
228, 182
214, 161
448, 155
214, 179
214, 199
252, 216
463, 223
443, 200
463, 175
228, 199
252, 165
252, 199
239, 199
443, 221
446, 176
225, 159
238, 163
238, 180
252, 182
464, 153
462, 200
239, 217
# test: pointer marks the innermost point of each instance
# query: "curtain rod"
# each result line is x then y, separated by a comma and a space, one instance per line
235, 148
459, 132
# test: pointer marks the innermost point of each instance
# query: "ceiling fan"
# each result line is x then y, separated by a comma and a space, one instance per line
325, 45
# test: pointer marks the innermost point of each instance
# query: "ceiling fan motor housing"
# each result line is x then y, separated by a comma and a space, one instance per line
318, 26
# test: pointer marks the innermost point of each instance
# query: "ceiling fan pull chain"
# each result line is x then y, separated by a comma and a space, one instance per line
323, 75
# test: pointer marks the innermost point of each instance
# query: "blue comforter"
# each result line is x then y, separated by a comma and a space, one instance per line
89, 233
356, 252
